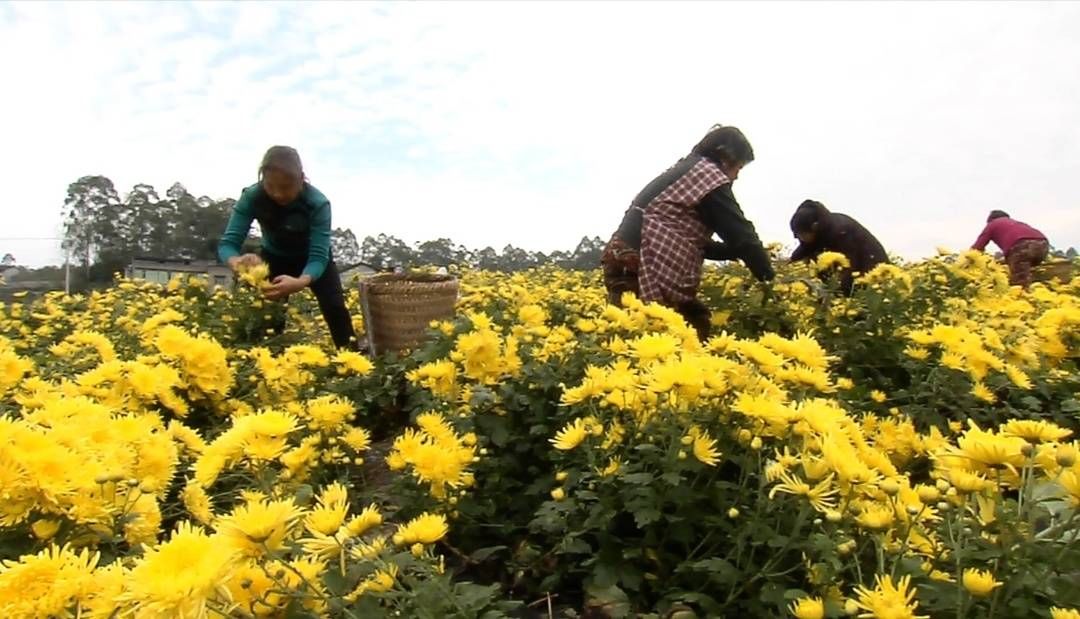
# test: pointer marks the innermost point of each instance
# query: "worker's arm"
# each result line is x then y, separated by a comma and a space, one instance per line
984, 237
805, 251
232, 240
718, 250
721, 213
319, 244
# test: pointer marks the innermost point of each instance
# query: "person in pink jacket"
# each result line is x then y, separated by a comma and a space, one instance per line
1024, 247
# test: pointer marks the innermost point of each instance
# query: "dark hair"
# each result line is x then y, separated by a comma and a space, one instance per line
725, 145
809, 213
996, 214
283, 158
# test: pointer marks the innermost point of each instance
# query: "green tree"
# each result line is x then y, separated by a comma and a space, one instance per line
344, 246
89, 202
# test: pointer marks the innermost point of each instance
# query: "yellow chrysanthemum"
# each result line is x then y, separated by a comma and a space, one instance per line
979, 583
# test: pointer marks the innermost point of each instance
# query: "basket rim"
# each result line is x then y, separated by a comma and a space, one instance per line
411, 277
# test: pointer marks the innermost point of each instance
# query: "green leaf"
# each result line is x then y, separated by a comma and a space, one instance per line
646, 516
482, 554
473, 598
637, 478
794, 594
604, 577
610, 600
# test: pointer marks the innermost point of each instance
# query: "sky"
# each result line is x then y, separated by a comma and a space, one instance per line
534, 124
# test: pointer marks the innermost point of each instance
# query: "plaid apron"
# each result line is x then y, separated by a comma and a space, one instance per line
673, 238
1022, 257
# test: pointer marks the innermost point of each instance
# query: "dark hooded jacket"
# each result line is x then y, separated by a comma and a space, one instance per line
839, 233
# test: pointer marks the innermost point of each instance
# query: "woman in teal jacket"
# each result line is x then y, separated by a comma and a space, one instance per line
295, 220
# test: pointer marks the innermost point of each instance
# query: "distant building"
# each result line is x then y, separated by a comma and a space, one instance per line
161, 270
15, 285
354, 271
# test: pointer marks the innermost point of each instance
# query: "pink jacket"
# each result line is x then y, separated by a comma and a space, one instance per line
1005, 233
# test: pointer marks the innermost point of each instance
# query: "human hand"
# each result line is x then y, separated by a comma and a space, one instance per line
284, 285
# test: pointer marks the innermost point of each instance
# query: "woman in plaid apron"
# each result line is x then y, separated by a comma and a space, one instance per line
666, 234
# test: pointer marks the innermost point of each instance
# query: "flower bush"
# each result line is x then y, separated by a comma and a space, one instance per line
906, 451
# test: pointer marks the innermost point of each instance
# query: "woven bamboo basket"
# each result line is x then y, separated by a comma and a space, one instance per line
1061, 270
398, 308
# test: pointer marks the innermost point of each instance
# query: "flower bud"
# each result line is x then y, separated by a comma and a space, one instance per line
929, 494
733, 513
890, 487
1066, 458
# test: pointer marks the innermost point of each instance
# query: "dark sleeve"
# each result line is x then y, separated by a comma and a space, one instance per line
805, 251
717, 250
721, 213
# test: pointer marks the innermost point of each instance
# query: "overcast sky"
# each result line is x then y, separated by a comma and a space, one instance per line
536, 123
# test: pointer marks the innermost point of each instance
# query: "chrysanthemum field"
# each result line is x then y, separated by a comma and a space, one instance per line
906, 452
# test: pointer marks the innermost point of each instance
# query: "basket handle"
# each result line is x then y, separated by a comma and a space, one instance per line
365, 308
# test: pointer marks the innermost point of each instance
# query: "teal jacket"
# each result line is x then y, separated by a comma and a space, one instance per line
301, 228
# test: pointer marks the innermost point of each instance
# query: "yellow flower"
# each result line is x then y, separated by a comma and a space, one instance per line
820, 496
179, 577
704, 448
44, 529
197, 502
426, 529
260, 527
558, 494
876, 517
380, 581
358, 439
878, 396
983, 393
46, 584
1035, 431
613, 466
889, 599
1064, 613
353, 362
979, 583
831, 259
365, 521
808, 608
978, 448
571, 435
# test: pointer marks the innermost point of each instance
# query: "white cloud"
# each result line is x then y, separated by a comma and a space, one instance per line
535, 123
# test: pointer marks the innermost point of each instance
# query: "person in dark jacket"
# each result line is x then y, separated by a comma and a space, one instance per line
294, 218
1024, 247
665, 236
820, 230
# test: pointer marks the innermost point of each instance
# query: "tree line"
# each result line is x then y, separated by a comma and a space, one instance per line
104, 230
